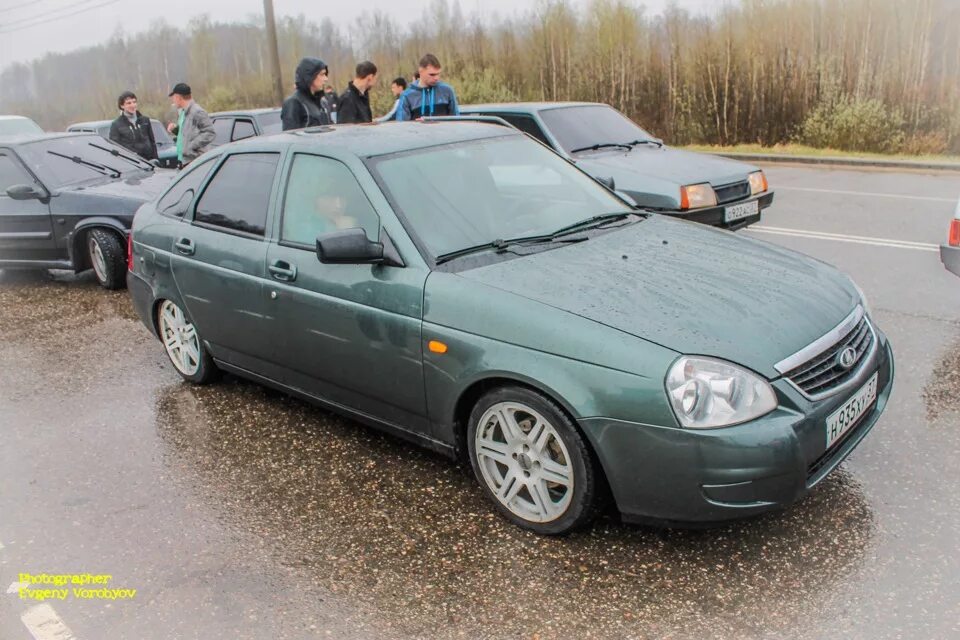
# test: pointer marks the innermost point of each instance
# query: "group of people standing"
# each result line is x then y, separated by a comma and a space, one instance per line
312, 103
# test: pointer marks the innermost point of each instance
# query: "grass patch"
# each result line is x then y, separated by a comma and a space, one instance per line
803, 150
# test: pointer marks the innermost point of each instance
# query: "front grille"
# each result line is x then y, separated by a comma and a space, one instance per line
824, 372
732, 192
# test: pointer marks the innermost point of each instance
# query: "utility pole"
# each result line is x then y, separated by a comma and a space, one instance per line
274, 51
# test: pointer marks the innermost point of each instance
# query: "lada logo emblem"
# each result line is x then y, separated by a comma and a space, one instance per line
847, 358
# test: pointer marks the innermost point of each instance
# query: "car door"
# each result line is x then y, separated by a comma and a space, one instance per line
26, 228
349, 333
218, 260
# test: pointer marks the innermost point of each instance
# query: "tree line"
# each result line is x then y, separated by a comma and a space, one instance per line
858, 74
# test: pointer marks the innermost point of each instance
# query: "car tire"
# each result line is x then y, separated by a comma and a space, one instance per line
108, 258
183, 345
539, 472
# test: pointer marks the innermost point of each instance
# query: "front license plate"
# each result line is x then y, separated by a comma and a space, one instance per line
841, 420
742, 210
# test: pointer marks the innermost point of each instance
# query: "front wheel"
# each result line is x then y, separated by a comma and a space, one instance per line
108, 258
183, 344
531, 461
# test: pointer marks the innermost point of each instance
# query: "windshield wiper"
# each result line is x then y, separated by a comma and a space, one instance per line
595, 221
658, 143
135, 161
604, 145
103, 169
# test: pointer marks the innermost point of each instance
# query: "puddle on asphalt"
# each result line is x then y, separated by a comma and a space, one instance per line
409, 534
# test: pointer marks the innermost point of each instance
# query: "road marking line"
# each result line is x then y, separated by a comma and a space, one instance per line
16, 586
837, 237
43, 623
864, 193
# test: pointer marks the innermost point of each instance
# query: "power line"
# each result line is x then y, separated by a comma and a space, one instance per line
61, 17
45, 13
21, 6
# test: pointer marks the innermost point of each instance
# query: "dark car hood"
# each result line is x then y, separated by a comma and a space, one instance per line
653, 176
142, 187
687, 287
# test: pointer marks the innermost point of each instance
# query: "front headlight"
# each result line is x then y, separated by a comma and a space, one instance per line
758, 182
706, 393
694, 196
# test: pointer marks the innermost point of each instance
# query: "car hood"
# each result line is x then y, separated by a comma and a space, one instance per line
687, 287
652, 170
142, 187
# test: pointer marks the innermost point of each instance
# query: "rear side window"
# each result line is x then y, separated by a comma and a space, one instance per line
222, 128
238, 196
243, 130
177, 200
11, 173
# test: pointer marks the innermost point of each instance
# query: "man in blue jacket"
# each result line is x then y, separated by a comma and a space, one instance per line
428, 97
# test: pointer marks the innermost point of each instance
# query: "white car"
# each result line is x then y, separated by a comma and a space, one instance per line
950, 252
13, 125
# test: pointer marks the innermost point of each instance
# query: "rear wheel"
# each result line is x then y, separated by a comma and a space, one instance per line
183, 344
531, 461
108, 258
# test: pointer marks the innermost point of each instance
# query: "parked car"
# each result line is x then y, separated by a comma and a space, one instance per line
231, 126
950, 252
13, 125
609, 146
67, 200
460, 285
166, 146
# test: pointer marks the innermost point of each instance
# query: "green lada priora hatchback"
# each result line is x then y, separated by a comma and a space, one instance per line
462, 286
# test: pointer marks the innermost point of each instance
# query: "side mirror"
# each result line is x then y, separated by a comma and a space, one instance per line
607, 182
25, 192
350, 246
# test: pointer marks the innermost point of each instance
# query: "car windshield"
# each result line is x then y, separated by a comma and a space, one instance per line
62, 162
14, 126
160, 134
467, 194
582, 127
270, 122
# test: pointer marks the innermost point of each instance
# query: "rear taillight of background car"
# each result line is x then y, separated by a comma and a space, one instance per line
953, 237
130, 251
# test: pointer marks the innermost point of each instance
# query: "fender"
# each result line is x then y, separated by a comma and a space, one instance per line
75, 249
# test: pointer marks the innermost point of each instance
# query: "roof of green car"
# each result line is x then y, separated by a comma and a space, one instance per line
369, 140
246, 112
525, 107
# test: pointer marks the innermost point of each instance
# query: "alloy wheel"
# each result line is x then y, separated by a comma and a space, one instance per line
524, 462
180, 338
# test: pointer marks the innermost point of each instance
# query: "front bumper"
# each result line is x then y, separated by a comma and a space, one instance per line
713, 216
670, 475
950, 257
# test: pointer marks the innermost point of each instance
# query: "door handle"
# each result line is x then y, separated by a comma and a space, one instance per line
185, 246
282, 270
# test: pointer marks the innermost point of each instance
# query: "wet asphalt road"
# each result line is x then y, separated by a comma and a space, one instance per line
237, 512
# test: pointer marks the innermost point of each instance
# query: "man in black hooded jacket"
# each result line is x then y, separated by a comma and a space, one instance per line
302, 108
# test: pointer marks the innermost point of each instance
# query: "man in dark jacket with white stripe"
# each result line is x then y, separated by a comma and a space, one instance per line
132, 130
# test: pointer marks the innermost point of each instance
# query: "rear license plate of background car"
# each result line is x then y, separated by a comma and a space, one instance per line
742, 210
841, 420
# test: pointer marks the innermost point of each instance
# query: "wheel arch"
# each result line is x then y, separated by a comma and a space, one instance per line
79, 256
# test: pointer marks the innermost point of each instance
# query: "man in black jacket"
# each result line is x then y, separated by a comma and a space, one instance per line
355, 101
132, 130
302, 108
